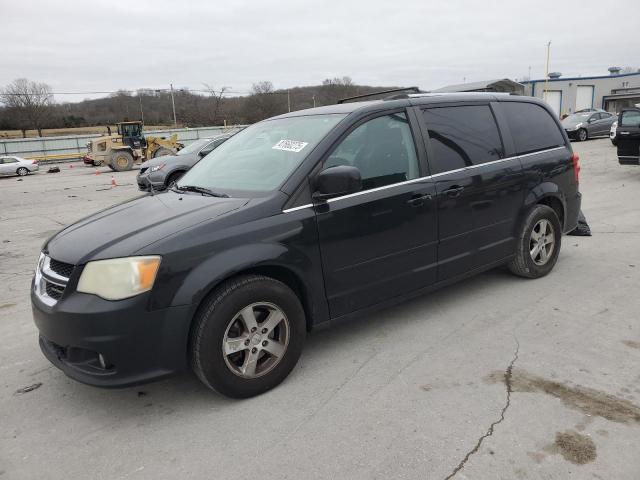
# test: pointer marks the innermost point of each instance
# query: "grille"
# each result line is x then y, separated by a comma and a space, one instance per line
61, 268
54, 291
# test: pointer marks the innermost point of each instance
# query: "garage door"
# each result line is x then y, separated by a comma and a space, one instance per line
554, 99
584, 97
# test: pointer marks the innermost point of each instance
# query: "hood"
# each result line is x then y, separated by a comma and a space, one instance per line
158, 161
124, 229
574, 120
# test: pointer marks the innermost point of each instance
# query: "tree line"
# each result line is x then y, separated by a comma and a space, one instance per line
30, 105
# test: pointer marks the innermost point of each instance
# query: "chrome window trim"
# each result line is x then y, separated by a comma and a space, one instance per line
429, 177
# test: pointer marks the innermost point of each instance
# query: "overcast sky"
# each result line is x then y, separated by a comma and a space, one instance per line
77, 45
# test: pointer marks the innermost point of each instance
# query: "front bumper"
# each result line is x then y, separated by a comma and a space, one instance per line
145, 180
112, 343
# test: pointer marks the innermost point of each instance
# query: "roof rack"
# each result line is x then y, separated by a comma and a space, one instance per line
357, 97
444, 94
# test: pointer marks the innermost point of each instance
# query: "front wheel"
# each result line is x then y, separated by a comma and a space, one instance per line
121, 160
22, 171
583, 134
247, 336
538, 243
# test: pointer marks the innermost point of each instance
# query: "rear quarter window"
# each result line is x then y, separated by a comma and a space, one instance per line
532, 127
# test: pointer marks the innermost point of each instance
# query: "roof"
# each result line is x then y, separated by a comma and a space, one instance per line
471, 86
411, 100
562, 79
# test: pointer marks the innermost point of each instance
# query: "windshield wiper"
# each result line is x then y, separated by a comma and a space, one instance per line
202, 190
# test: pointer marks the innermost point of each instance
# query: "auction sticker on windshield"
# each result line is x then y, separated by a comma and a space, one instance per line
290, 145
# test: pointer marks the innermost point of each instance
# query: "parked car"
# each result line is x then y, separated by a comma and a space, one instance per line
163, 171
612, 133
588, 124
628, 136
302, 220
12, 165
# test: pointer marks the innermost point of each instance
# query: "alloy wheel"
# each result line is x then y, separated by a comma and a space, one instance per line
256, 340
542, 242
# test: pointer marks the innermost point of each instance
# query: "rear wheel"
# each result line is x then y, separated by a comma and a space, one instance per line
121, 160
583, 134
97, 163
22, 171
247, 336
538, 243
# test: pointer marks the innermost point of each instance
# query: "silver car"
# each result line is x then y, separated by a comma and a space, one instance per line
12, 165
160, 172
588, 124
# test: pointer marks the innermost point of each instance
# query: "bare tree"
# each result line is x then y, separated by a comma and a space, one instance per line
218, 98
264, 102
31, 102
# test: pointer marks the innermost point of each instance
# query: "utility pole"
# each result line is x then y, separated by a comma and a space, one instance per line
546, 73
289, 100
141, 111
173, 105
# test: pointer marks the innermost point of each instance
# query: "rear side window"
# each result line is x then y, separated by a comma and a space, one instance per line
532, 127
462, 137
630, 118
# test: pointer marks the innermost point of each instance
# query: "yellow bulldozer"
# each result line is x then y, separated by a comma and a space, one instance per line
121, 151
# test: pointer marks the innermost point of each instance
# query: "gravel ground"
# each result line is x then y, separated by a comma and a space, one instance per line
494, 378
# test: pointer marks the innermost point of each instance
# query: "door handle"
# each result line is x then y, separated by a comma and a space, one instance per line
624, 133
453, 192
418, 199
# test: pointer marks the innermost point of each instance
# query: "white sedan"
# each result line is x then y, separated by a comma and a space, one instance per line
12, 165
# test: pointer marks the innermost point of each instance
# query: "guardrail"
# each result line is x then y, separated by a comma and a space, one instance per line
74, 147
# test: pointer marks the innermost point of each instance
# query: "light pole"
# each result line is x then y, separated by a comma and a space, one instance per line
173, 105
546, 73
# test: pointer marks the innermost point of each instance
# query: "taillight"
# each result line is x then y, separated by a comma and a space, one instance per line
35, 162
576, 167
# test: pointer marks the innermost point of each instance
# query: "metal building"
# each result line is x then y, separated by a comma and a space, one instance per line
499, 85
567, 95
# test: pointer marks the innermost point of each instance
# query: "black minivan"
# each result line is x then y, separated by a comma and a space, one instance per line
302, 220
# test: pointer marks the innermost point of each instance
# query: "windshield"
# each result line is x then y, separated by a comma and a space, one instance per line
260, 157
194, 147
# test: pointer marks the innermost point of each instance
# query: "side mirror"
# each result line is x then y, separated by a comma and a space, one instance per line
336, 181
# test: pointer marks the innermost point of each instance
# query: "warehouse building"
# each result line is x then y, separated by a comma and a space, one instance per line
567, 95
503, 85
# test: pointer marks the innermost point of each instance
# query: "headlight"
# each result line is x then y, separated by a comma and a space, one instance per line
578, 125
119, 278
155, 168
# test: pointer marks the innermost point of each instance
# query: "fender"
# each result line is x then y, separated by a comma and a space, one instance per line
202, 279
544, 190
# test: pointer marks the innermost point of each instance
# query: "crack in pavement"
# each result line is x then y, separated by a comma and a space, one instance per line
489, 432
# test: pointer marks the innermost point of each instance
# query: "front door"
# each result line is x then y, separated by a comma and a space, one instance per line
479, 190
628, 136
380, 242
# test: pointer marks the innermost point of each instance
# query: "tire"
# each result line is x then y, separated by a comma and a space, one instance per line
121, 160
582, 135
614, 142
162, 151
111, 167
97, 163
525, 263
22, 171
220, 320
174, 177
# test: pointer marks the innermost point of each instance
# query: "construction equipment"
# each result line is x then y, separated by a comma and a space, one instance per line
120, 151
